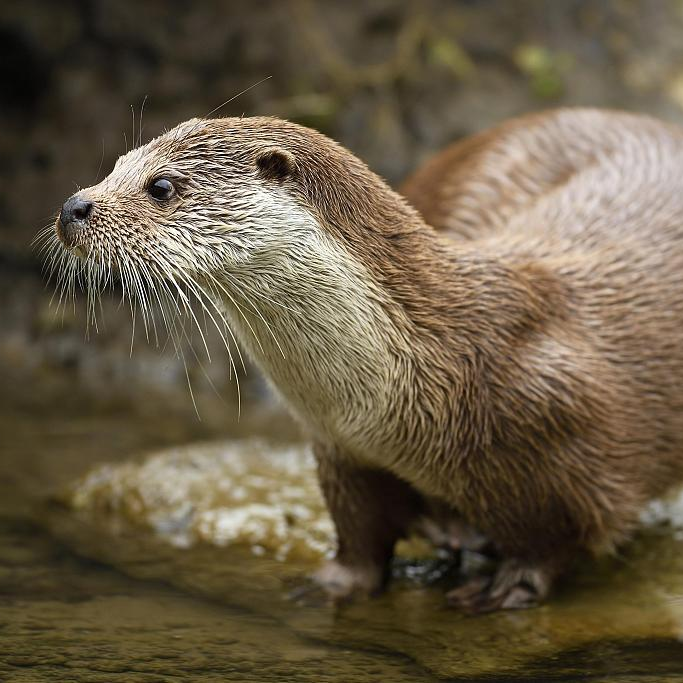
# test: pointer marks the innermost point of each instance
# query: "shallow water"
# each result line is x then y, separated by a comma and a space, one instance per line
86, 602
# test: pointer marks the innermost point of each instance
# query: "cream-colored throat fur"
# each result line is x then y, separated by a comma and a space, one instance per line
308, 315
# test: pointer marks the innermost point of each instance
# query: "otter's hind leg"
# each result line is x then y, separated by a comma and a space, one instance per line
515, 585
371, 509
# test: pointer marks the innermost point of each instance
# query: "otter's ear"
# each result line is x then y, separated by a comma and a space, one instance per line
276, 163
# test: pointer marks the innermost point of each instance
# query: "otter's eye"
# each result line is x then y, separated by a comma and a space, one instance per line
161, 189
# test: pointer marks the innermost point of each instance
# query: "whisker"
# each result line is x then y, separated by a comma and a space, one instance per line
132, 111
156, 291
99, 168
187, 305
201, 366
238, 307
138, 291
194, 287
234, 97
43, 235
265, 322
142, 111
243, 285
177, 345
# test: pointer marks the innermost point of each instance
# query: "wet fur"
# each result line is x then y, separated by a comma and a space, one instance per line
520, 365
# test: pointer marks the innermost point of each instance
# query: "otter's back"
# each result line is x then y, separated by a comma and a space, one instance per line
594, 200
561, 172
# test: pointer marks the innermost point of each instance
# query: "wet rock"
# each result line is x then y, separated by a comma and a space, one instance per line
248, 494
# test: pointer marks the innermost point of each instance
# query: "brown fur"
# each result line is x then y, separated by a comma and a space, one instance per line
536, 340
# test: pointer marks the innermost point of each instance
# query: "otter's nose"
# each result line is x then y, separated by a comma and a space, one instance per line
75, 210
72, 219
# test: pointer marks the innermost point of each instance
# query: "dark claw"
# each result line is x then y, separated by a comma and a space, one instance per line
310, 594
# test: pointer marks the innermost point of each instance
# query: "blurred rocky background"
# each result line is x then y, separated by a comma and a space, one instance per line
393, 81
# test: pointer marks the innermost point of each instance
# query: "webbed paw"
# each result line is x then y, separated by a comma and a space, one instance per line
513, 586
335, 582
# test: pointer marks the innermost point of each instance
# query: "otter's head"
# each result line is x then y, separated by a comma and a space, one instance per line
217, 195
201, 204
221, 199
206, 195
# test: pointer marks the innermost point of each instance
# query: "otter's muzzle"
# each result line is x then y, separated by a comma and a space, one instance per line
73, 218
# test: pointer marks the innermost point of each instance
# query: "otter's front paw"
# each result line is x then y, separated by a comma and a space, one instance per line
335, 582
342, 582
514, 586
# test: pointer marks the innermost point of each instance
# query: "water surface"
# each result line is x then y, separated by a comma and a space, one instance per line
82, 601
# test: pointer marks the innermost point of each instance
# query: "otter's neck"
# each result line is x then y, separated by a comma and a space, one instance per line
362, 327
316, 323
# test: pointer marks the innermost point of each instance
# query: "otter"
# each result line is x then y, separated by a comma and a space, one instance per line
503, 342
